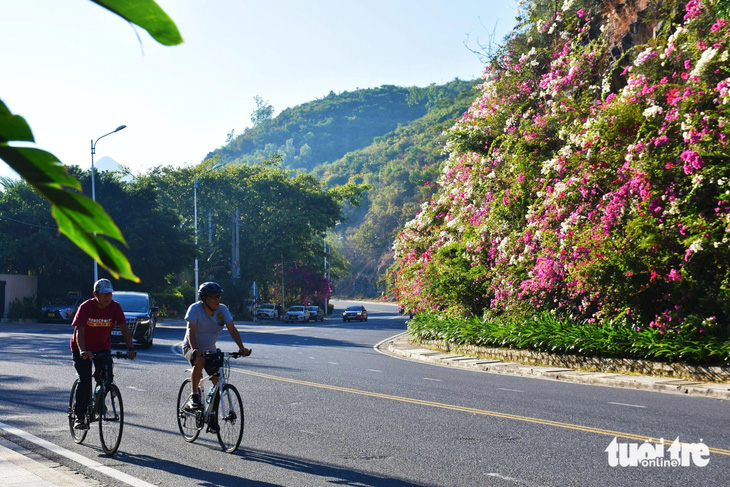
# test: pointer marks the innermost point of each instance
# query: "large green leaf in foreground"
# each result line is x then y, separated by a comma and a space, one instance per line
79, 218
148, 15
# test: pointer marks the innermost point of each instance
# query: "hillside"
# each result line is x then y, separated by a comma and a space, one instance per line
324, 130
388, 137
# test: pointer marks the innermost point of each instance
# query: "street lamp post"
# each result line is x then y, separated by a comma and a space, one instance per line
93, 189
195, 218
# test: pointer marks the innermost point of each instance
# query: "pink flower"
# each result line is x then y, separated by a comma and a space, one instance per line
692, 161
693, 9
674, 275
719, 25
582, 12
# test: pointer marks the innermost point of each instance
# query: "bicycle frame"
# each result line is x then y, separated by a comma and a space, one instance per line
210, 407
105, 405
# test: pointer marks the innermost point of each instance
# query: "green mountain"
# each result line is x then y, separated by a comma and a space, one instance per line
388, 137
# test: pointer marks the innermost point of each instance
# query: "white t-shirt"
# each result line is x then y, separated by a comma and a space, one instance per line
209, 327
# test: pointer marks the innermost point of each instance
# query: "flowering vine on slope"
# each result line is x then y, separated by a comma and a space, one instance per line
589, 185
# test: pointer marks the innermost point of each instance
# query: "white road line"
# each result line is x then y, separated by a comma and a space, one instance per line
434, 380
509, 390
627, 405
75, 457
375, 370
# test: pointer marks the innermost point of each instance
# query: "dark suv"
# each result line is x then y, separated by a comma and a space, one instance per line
141, 318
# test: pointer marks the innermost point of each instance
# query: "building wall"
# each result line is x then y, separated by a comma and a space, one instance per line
17, 287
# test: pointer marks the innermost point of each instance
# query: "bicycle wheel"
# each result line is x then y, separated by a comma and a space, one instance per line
111, 420
230, 425
77, 435
187, 420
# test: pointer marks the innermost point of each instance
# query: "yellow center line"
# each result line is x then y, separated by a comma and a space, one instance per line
484, 412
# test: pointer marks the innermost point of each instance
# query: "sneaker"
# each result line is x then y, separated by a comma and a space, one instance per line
79, 424
194, 402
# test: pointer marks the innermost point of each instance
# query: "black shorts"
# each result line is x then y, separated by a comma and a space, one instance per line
210, 368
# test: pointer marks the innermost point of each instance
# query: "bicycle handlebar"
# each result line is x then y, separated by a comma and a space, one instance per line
227, 354
111, 354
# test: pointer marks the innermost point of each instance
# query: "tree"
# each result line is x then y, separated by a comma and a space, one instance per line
263, 112
159, 245
82, 220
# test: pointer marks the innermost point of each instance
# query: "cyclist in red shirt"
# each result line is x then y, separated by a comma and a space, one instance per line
93, 325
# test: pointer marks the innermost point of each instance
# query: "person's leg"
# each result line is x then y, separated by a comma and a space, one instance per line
196, 374
83, 369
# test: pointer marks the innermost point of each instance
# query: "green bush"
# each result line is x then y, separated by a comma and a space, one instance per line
172, 305
546, 333
23, 310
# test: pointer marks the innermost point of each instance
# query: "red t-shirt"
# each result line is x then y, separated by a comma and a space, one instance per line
98, 324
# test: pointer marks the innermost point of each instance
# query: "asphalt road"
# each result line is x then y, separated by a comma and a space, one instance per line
323, 407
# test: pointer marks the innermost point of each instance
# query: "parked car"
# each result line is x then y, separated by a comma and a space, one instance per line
315, 313
297, 313
61, 309
267, 311
141, 318
355, 312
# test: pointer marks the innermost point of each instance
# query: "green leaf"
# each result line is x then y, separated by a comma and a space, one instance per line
37, 167
148, 15
96, 246
86, 213
13, 127
78, 217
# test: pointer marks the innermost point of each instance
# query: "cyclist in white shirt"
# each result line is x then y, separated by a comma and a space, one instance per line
206, 319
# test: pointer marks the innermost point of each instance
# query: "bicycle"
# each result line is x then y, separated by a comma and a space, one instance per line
229, 424
105, 406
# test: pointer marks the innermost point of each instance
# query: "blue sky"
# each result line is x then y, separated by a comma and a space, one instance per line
76, 71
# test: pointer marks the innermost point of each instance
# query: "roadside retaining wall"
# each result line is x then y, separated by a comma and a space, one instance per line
595, 364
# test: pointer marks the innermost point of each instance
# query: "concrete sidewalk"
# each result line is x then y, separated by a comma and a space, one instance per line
402, 346
22, 468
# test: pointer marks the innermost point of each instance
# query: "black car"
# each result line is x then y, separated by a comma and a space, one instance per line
141, 318
355, 313
61, 309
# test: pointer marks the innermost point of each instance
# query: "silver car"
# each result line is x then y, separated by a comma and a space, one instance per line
297, 313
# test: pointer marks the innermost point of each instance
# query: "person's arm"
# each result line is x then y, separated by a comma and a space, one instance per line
81, 342
237, 338
131, 352
122, 322
193, 338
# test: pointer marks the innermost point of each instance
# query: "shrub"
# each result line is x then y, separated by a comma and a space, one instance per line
24, 309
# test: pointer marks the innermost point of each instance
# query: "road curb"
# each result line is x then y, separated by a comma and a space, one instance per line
401, 346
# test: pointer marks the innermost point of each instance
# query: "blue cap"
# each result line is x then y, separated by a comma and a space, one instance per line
103, 286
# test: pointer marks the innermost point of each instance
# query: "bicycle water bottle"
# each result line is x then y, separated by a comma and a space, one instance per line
210, 395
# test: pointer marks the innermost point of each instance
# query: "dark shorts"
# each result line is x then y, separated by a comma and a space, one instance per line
210, 369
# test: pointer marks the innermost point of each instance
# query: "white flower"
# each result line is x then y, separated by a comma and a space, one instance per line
705, 62
644, 56
652, 111
695, 247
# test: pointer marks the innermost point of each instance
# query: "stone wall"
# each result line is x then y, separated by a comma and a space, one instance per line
596, 364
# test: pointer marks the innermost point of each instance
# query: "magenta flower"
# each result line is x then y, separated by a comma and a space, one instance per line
692, 162
693, 9
719, 25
